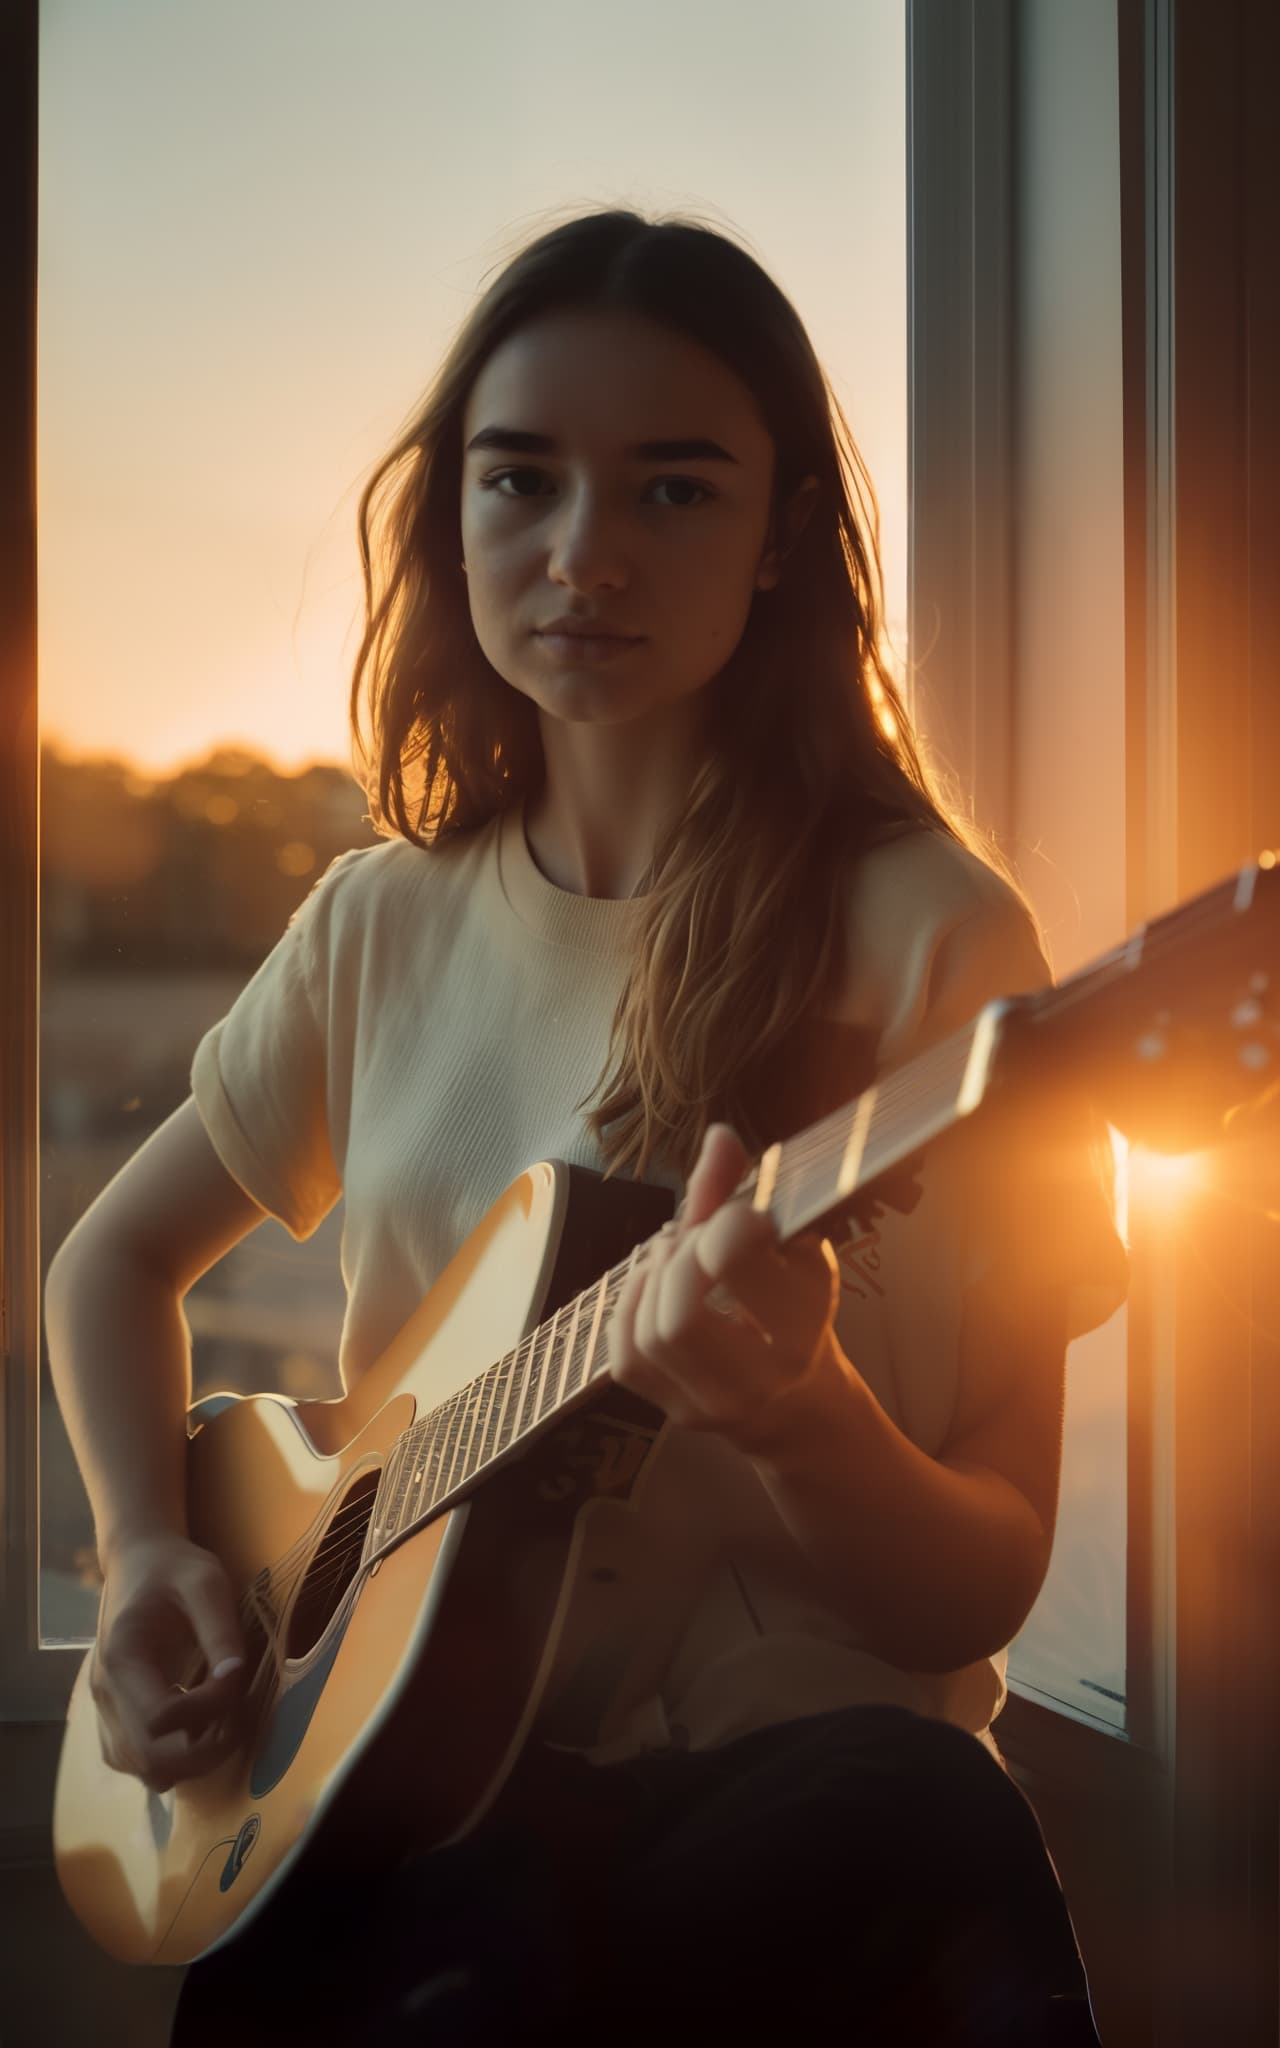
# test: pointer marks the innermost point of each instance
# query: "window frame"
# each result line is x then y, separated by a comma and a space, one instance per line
1165, 1835
33, 1684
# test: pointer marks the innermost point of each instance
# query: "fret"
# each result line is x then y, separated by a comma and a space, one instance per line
884, 1125
581, 1364
851, 1162
434, 1429
448, 1444
977, 1068
417, 1446
930, 1111
434, 1426
533, 1382
572, 1350
474, 1393
466, 1396
484, 1401
560, 1344
487, 1404
498, 1415
546, 1333
511, 1413
766, 1177
546, 1377
614, 1283
404, 1469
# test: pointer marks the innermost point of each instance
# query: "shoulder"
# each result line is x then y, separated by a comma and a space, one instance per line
366, 885
932, 933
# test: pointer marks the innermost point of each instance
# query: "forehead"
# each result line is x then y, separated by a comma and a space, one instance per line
612, 379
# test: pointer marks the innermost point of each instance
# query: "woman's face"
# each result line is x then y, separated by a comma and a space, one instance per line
666, 546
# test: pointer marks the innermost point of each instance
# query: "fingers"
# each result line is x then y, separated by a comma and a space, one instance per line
674, 1307
791, 1291
718, 1317
211, 1609
162, 1764
169, 1669
720, 1166
194, 1708
131, 1697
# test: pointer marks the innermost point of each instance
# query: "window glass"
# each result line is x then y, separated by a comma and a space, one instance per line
259, 230
1069, 766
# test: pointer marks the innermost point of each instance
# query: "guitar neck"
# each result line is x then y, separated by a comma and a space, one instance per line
558, 1365
1178, 1011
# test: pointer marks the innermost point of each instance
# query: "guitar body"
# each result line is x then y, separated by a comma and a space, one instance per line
388, 1706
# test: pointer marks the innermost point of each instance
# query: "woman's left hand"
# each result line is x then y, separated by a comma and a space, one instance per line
721, 1325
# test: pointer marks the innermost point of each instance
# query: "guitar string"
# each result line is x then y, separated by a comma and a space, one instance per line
285, 1571
913, 1081
907, 1085
334, 1549
430, 1439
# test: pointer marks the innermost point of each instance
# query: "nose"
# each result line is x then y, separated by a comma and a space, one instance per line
587, 548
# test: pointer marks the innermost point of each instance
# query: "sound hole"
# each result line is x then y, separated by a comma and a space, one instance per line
333, 1567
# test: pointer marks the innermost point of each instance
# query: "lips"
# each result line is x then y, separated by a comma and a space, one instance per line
582, 629
581, 648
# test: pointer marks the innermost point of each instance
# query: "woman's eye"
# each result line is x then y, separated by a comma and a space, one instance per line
683, 483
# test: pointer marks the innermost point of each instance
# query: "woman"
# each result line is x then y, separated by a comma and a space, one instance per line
703, 866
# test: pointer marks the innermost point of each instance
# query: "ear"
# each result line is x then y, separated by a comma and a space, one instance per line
796, 516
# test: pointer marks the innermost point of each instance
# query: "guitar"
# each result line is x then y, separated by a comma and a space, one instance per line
405, 1556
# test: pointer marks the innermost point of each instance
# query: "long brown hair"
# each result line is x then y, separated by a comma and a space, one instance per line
741, 933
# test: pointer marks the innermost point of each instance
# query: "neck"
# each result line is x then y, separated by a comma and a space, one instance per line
607, 795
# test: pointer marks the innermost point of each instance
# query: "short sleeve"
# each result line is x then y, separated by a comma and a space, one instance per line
1030, 1190
260, 1079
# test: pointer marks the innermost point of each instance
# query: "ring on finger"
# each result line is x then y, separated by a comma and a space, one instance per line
722, 1303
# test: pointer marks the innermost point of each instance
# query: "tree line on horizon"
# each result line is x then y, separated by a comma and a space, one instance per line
200, 869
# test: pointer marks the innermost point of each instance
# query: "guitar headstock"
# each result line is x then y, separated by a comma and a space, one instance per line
1176, 1033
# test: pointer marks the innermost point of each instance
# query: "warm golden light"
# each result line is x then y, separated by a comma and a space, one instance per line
295, 858
1160, 1182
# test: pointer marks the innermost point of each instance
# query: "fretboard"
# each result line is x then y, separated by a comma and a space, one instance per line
822, 1169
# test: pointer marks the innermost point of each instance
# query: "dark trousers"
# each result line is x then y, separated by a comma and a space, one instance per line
867, 1876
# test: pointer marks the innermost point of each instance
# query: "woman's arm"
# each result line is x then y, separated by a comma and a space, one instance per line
935, 1561
120, 1358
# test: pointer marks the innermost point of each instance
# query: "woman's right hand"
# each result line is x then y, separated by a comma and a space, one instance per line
168, 1671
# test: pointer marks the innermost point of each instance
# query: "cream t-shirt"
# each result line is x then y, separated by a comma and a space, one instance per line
421, 1034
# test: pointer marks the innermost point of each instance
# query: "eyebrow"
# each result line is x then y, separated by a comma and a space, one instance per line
517, 442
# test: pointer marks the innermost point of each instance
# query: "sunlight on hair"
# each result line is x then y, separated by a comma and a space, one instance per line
1121, 1152
884, 715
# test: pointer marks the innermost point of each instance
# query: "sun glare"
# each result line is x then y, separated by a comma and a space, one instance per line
1160, 1182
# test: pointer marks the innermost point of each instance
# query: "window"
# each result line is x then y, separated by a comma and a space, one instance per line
258, 332
1201, 762
1017, 503
1162, 1821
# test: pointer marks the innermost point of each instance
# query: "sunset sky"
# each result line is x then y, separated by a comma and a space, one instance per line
260, 227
